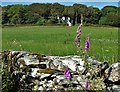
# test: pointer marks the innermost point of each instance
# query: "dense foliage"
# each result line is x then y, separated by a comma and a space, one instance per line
46, 14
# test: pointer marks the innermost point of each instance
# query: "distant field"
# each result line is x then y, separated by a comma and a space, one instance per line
56, 40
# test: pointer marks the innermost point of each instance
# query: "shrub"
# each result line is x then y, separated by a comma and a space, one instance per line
41, 21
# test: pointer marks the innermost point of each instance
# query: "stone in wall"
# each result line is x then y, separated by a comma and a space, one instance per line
113, 74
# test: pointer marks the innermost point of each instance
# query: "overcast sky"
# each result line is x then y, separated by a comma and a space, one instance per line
95, 3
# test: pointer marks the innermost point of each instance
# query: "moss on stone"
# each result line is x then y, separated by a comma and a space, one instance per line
40, 57
47, 70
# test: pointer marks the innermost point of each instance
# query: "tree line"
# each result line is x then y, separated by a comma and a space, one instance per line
48, 14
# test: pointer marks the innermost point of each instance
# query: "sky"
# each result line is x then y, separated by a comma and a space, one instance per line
99, 3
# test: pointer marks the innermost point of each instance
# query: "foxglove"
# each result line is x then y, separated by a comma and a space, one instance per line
87, 43
67, 73
87, 85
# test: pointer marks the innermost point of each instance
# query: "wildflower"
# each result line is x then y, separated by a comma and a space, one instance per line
87, 85
87, 43
67, 73
77, 38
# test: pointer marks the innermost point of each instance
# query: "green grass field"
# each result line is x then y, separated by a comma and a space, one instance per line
57, 40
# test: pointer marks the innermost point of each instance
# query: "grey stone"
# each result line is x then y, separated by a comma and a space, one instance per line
113, 88
44, 75
56, 64
34, 72
40, 88
30, 60
92, 61
113, 72
116, 88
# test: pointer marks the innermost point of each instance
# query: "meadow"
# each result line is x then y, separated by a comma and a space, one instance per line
59, 40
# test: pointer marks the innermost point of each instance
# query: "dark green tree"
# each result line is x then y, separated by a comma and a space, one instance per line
13, 14
79, 9
110, 16
93, 15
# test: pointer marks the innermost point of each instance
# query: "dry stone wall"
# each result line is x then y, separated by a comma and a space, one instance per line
33, 71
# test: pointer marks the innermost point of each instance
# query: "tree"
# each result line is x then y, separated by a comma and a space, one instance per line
93, 15
56, 9
5, 17
16, 13
79, 9
110, 16
110, 19
109, 10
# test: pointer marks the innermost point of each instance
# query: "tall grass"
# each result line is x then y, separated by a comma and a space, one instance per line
55, 40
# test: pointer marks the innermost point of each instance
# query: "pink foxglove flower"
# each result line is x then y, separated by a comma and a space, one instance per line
87, 85
87, 43
67, 73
